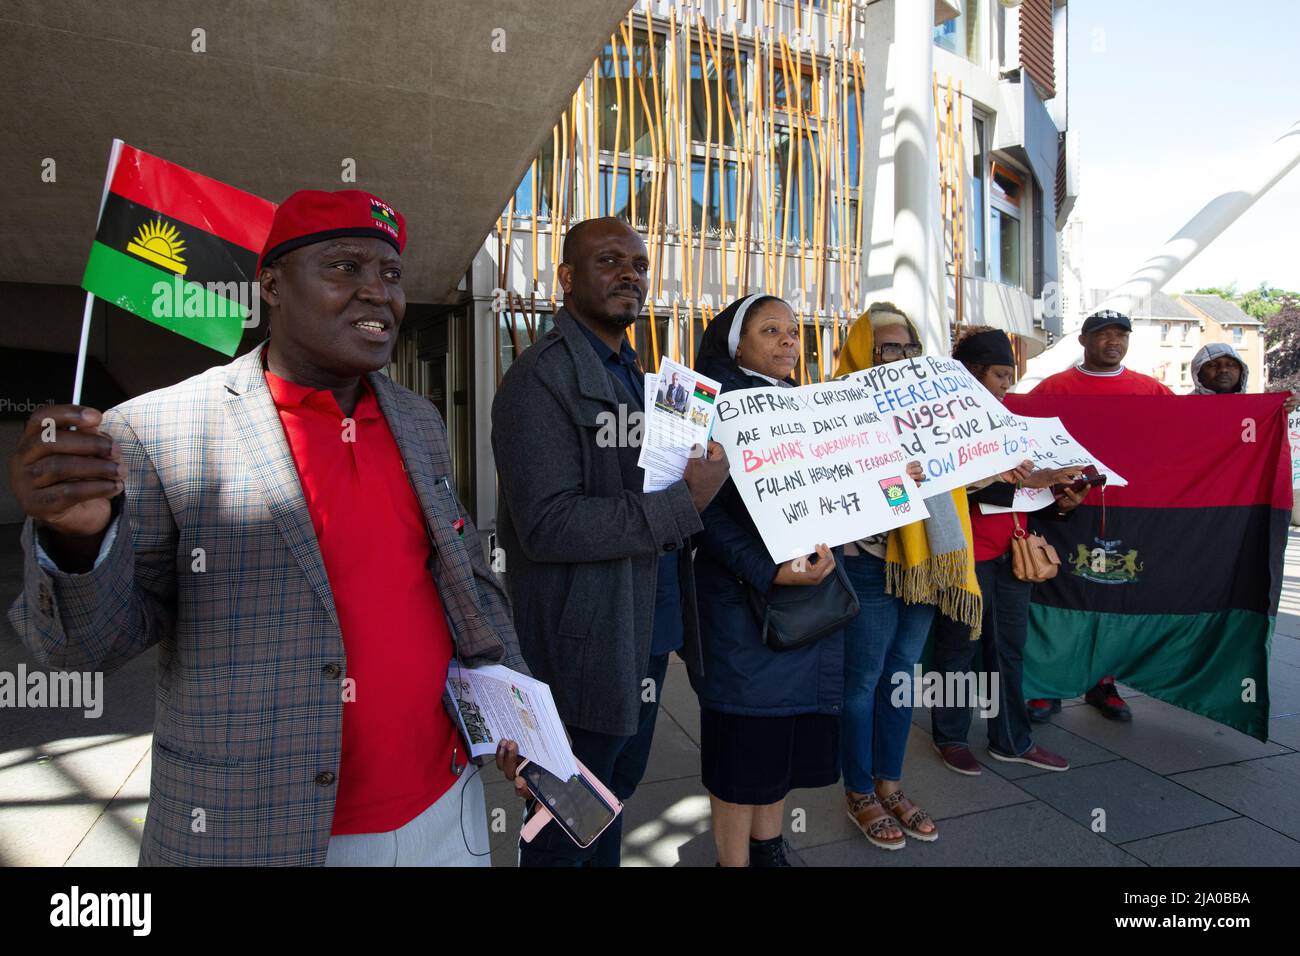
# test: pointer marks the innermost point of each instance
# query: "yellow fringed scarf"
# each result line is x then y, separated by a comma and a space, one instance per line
911, 571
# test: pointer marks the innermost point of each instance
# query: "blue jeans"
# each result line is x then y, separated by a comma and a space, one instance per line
619, 763
886, 638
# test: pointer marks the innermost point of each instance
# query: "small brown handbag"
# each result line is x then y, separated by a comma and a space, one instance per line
1032, 558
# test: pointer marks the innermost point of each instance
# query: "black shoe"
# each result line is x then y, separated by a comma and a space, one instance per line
1040, 711
767, 852
1107, 700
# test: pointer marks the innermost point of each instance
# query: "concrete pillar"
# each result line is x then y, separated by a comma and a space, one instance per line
1218, 214
916, 286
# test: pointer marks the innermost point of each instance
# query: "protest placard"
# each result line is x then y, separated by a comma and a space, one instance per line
944, 419
815, 465
1046, 443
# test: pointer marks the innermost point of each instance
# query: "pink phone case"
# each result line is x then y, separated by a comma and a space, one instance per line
543, 816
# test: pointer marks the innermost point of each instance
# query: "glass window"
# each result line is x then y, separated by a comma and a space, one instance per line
1164, 331
804, 81
851, 220
524, 192
785, 168
622, 205
1005, 248
517, 320
1238, 335
850, 124
645, 348
962, 34
720, 214
706, 103
612, 72
977, 207
1006, 262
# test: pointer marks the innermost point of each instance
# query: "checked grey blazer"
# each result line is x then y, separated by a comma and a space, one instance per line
249, 709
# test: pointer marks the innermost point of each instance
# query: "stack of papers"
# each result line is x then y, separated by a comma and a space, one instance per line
679, 413
494, 703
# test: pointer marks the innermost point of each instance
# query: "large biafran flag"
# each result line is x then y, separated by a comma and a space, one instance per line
1177, 594
178, 249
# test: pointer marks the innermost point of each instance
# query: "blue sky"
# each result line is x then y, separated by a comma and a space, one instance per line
1169, 97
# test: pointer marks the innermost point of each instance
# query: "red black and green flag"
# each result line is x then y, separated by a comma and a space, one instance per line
1173, 585
178, 248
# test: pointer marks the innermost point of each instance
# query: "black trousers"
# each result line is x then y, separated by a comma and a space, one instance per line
1002, 645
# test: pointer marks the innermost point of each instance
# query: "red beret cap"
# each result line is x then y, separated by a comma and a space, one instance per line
314, 215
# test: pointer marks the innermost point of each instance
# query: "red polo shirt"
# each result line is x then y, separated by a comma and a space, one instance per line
1075, 381
397, 738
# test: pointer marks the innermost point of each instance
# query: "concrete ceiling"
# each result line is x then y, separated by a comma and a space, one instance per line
439, 125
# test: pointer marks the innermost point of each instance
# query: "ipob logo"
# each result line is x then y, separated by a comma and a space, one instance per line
383, 216
1106, 563
894, 491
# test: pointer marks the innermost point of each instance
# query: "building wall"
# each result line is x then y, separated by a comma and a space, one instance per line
1164, 357
513, 273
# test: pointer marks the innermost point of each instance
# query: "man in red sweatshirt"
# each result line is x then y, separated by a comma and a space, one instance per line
1104, 338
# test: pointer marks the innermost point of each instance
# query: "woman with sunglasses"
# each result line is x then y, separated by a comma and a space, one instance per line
900, 577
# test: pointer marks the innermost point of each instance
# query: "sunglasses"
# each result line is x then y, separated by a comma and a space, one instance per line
892, 353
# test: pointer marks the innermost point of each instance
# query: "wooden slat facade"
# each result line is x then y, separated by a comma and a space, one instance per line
1037, 55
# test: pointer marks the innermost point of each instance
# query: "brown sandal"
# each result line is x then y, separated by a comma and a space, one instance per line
874, 826
909, 816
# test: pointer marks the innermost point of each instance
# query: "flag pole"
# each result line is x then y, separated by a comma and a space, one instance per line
81, 350
113, 155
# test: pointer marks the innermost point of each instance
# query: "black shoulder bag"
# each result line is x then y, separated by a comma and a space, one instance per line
795, 615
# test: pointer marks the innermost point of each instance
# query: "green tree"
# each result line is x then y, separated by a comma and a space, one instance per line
1282, 345
1258, 303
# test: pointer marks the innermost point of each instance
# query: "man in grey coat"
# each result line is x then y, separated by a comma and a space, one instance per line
599, 571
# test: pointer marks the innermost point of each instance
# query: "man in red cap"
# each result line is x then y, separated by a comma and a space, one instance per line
284, 530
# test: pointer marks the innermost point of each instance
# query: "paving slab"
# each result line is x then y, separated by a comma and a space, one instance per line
928, 783
1164, 738
1029, 834
1266, 790
680, 700
1286, 649
665, 823
673, 754
1236, 842
115, 838
1283, 688
1285, 731
1136, 802
50, 799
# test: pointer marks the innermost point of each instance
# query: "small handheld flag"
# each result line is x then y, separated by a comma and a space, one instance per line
176, 248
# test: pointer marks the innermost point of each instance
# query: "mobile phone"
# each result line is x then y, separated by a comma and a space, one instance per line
581, 806
1088, 480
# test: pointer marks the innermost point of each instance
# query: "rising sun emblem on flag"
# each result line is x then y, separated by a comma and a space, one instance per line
161, 244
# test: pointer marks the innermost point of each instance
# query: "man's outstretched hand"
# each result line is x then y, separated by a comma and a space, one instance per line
64, 475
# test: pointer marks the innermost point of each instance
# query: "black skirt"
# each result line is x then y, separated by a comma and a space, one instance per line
758, 760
